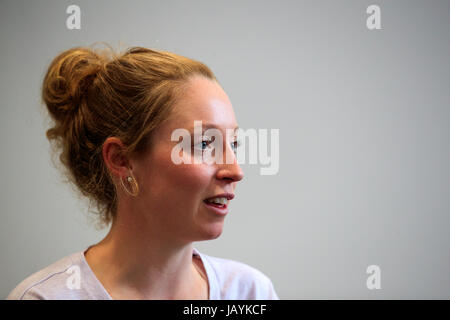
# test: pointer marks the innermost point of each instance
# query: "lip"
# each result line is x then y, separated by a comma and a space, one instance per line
221, 211
229, 196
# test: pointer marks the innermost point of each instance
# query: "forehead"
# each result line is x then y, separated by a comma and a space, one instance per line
203, 100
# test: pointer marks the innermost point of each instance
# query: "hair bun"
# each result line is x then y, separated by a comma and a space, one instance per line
68, 77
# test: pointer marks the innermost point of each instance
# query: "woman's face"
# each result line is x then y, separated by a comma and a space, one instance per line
172, 196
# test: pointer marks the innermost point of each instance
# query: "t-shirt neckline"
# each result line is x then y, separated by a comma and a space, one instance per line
195, 252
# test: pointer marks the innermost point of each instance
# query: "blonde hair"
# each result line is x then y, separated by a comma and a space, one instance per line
92, 95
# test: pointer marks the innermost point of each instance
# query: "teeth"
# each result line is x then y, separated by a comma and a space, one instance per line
222, 200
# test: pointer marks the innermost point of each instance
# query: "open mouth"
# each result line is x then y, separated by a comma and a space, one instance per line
219, 203
213, 204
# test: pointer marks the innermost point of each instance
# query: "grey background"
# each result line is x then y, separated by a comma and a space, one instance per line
364, 136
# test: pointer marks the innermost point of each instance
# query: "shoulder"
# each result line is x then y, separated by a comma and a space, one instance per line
52, 282
239, 281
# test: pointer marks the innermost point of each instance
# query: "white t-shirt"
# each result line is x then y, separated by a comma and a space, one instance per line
228, 280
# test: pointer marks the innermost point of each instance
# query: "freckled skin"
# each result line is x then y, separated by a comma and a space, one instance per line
173, 194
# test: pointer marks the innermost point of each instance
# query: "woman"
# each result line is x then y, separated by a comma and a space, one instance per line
114, 116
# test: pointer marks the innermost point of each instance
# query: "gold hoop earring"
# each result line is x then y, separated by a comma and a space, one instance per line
132, 181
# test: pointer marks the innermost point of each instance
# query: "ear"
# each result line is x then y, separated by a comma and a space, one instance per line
113, 152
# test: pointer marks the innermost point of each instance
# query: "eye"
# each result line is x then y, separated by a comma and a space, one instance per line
205, 143
236, 144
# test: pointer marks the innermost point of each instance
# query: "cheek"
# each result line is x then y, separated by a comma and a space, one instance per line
191, 179
185, 182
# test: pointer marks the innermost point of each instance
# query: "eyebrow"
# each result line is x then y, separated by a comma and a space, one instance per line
210, 125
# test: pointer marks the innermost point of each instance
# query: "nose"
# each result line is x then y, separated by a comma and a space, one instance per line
230, 171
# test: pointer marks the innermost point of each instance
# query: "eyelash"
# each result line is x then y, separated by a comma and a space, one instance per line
236, 143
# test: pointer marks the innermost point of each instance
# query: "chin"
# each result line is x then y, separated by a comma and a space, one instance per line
211, 232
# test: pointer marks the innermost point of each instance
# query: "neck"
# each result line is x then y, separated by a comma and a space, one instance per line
141, 258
